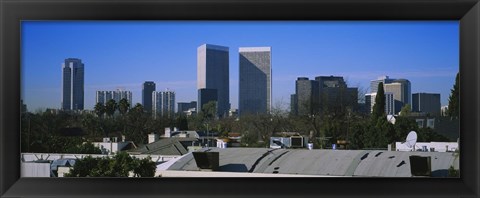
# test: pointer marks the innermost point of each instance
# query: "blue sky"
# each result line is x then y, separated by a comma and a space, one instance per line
127, 53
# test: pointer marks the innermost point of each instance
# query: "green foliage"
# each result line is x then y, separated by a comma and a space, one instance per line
110, 107
453, 100
123, 106
379, 106
119, 165
406, 110
452, 172
85, 148
99, 109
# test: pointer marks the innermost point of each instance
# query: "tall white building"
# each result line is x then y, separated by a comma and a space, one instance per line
255, 80
104, 96
163, 103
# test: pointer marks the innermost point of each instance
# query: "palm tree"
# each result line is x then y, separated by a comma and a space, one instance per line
123, 106
99, 109
110, 107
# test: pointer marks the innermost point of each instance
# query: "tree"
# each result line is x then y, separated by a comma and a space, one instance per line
110, 107
453, 100
406, 110
123, 106
379, 106
99, 109
85, 148
120, 165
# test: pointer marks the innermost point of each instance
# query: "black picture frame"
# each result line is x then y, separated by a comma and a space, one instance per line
13, 11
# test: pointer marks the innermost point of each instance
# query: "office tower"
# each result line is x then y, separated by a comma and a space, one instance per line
73, 84
305, 97
185, 106
427, 103
334, 93
213, 73
103, 97
401, 89
163, 103
255, 80
293, 104
389, 102
205, 96
147, 90
374, 83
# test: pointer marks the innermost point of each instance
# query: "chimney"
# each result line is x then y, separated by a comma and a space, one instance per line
167, 132
152, 137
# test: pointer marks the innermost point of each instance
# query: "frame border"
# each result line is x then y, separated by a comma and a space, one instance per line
12, 12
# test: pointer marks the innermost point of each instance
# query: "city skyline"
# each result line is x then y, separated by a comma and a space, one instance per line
126, 54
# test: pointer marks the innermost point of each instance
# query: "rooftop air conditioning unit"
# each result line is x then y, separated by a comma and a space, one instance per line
296, 141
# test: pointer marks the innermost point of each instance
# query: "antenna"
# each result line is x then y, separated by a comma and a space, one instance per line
411, 139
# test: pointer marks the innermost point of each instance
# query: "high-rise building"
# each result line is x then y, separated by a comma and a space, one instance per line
147, 93
103, 97
185, 106
163, 103
305, 99
426, 103
401, 89
205, 96
73, 84
213, 73
389, 102
381, 79
333, 92
255, 80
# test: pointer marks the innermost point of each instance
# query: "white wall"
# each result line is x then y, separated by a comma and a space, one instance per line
439, 146
35, 169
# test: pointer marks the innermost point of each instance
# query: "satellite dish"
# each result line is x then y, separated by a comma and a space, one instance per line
411, 139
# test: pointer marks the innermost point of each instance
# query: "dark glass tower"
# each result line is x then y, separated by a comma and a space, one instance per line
213, 73
147, 91
73, 84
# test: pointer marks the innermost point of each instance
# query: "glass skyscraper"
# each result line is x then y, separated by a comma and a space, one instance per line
147, 90
73, 84
255, 80
213, 73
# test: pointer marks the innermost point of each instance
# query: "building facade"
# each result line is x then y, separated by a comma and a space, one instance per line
182, 107
73, 84
304, 101
205, 96
389, 102
213, 73
333, 93
163, 104
255, 80
103, 97
426, 103
401, 89
147, 94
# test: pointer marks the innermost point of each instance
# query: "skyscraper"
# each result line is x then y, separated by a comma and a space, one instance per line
185, 106
213, 73
305, 99
427, 103
255, 85
163, 103
147, 90
401, 89
205, 96
73, 84
334, 93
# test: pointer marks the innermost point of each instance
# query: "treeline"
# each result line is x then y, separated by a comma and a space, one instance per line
41, 131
